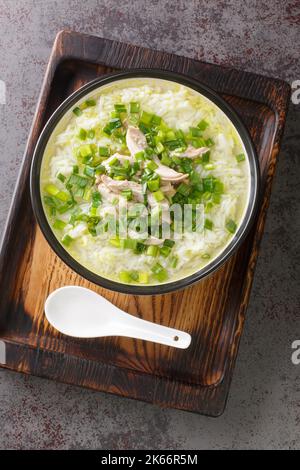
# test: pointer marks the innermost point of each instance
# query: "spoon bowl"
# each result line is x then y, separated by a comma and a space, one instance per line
80, 312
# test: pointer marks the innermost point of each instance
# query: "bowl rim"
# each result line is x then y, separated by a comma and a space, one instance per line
114, 285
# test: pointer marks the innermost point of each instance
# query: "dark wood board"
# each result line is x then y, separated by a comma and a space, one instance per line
213, 311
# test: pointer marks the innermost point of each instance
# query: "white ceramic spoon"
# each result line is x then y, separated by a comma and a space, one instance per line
80, 312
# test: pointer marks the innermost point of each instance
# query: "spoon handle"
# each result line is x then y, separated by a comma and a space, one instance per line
134, 327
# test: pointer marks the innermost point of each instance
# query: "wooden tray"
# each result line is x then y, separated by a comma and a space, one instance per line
196, 379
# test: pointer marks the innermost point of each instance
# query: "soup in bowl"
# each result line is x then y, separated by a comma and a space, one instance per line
144, 182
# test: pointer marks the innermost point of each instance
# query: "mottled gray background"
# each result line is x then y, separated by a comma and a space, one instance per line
263, 409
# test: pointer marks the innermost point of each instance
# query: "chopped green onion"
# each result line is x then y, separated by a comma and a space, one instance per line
82, 134
59, 224
96, 199
174, 261
152, 250
216, 198
91, 134
159, 272
134, 107
51, 189
198, 143
140, 156
128, 243
195, 131
208, 224
114, 161
90, 102
100, 170
153, 185
112, 125
170, 135
169, 243
67, 240
143, 278
61, 177
205, 256
208, 184
103, 152
165, 159
231, 226
62, 196
85, 150
77, 111
209, 142
174, 144
159, 147
183, 189
87, 194
134, 275
205, 158
120, 108
75, 169
152, 166
240, 157
202, 125
115, 242
156, 120
88, 171
218, 187
165, 251
146, 118
124, 276
159, 195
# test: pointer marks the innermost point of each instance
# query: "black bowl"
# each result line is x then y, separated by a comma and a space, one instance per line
129, 288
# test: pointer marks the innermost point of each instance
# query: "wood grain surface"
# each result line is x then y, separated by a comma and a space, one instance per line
196, 379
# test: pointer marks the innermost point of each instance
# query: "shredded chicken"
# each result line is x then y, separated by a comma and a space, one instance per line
168, 189
154, 240
192, 152
168, 174
120, 157
135, 140
118, 186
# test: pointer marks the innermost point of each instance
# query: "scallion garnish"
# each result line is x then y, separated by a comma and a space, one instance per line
67, 240
82, 134
146, 118
231, 226
112, 125
153, 185
202, 125
208, 224
159, 272
125, 277
152, 250
91, 133
143, 278
169, 243
120, 108
152, 166
77, 111
240, 157
165, 251
159, 195
90, 102
61, 177
103, 152
134, 107
59, 224
195, 131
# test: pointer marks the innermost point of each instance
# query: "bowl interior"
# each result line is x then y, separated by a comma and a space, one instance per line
61, 116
